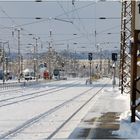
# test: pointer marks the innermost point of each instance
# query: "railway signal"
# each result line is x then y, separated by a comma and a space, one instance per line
90, 56
114, 56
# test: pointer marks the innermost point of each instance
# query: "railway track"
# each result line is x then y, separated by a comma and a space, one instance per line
22, 98
49, 112
72, 115
7, 92
17, 89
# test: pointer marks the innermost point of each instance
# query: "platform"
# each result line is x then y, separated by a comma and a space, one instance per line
103, 119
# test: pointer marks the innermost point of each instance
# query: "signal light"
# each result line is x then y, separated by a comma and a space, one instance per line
89, 56
114, 56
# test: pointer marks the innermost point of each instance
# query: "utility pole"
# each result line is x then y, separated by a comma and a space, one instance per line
130, 31
19, 57
49, 61
114, 74
108, 66
114, 59
6, 67
135, 67
3, 60
90, 80
36, 59
90, 59
126, 34
9, 65
101, 62
67, 66
22, 65
19, 54
50, 73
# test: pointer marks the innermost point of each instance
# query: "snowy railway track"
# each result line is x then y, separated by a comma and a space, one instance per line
73, 114
22, 98
11, 90
34, 120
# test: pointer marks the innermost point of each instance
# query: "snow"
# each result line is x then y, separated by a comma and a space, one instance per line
128, 129
14, 115
138, 114
137, 101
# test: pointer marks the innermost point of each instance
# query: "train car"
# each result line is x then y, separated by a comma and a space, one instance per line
7, 76
46, 75
59, 74
28, 74
56, 74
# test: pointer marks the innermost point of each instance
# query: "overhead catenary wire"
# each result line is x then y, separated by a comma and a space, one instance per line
13, 21
63, 18
77, 27
46, 19
15, 26
81, 23
43, 19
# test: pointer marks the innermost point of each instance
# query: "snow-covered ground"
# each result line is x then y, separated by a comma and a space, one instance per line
20, 114
16, 115
127, 129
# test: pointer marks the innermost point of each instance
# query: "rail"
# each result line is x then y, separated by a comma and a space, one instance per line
43, 115
21, 84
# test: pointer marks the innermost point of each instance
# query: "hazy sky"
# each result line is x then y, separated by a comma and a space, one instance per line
73, 24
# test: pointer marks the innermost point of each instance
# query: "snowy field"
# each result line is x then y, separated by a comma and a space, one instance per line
46, 110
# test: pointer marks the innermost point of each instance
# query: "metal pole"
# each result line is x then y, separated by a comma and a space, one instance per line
108, 66
19, 58
49, 62
22, 65
123, 50
67, 66
9, 58
114, 74
133, 82
101, 62
90, 72
133, 67
126, 33
36, 60
6, 69
50, 55
3, 64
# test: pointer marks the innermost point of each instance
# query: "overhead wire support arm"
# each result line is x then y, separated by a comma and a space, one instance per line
63, 20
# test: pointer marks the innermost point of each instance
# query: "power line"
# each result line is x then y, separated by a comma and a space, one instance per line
113, 27
16, 25
45, 19
75, 18
81, 23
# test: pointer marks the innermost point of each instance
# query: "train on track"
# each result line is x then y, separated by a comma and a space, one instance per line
59, 74
28, 74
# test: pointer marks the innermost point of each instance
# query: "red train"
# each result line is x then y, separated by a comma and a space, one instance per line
46, 75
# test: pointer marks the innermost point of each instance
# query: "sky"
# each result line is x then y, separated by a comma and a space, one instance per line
75, 26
